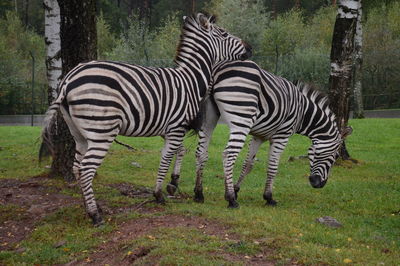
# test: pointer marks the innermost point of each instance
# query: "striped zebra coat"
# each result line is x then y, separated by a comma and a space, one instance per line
100, 100
253, 101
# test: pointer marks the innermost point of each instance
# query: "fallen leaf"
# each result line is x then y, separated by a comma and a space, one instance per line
347, 261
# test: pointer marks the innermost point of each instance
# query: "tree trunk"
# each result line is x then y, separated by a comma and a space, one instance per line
78, 44
26, 13
358, 111
274, 9
297, 4
53, 46
342, 55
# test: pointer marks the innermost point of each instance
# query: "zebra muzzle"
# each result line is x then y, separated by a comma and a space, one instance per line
316, 182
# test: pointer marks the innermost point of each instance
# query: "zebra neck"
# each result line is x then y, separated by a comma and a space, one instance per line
196, 77
315, 123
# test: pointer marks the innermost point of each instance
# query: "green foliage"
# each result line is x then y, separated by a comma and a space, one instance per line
284, 34
308, 64
320, 28
106, 40
139, 45
298, 49
134, 42
381, 56
16, 46
166, 38
240, 18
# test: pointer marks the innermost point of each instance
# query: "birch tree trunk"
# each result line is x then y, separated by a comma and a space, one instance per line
53, 46
358, 111
78, 44
342, 54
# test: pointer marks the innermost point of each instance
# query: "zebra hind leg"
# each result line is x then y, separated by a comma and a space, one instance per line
248, 164
275, 151
92, 159
173, 184
231, 152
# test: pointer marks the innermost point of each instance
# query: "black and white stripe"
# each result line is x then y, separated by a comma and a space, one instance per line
100, 100
253, 101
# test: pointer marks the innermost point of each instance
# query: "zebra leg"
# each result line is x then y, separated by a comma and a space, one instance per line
248, 164
275, 151
230, 154
92, 159
173, 185
205, 133
201, 159
88, 157
172, 143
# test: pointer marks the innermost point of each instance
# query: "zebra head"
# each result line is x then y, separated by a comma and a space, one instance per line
323, 154
202, 35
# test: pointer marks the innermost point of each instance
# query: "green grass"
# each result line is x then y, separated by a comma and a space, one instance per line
364, 198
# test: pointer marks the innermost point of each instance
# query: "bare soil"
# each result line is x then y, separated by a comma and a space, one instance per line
27, 202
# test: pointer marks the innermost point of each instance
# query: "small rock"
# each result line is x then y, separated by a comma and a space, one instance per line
36, 209
60, 244
136, 164
329, 221
20, 250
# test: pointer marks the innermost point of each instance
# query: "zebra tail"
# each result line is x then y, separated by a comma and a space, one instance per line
49, 125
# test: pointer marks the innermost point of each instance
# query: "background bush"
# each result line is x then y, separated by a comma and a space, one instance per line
293, 43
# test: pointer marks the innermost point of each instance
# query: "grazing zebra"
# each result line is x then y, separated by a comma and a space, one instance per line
100, 100
253, 101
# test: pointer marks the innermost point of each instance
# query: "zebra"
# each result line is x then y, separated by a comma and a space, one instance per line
102, 99
253, 101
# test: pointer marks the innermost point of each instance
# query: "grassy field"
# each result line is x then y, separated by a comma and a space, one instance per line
364, 197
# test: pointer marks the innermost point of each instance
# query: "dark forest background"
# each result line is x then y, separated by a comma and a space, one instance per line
291, 38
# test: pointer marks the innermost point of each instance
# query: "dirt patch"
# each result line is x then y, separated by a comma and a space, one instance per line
112, 252
23, 204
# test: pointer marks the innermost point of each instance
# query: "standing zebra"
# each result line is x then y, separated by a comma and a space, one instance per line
100, 100
253, 101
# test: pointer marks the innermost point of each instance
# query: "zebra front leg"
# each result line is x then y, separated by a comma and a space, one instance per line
275, 151
173, 185
248, 164
172, 143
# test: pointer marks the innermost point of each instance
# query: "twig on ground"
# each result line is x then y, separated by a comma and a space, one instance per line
125, 145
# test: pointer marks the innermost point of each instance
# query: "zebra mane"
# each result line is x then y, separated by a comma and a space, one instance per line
194, 18
316, 96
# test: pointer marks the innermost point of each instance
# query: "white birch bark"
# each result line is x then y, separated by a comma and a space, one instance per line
53, 46
357, 89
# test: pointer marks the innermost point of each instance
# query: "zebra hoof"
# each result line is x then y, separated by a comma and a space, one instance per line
171, 189
198, 196
237, 189
96, 219
159, 198
233, 204
271, 202
99, 209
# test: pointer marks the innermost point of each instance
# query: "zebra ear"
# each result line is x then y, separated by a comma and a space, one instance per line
212, 19
184, 18
346, 132
203, 21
